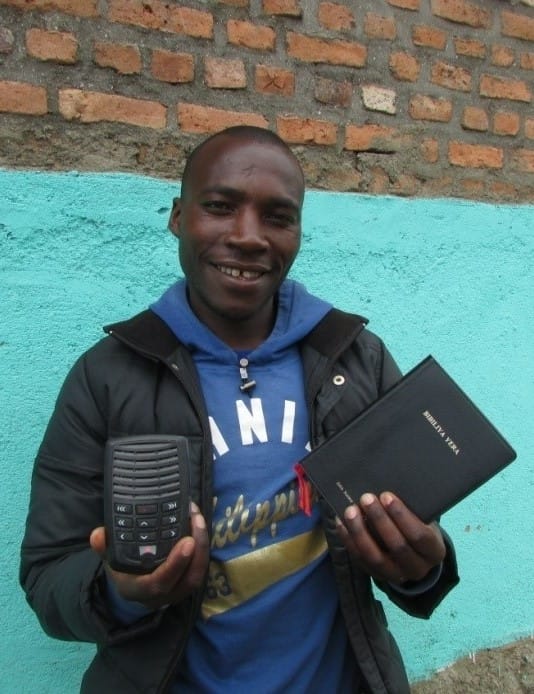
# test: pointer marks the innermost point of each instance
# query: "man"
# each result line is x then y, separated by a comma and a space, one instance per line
253, 370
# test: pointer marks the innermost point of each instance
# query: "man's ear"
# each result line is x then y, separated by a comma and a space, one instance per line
174, 219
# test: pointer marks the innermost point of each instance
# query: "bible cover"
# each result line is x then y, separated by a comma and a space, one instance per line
424, 440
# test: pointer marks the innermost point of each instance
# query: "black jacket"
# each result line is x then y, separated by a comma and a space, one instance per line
141, 380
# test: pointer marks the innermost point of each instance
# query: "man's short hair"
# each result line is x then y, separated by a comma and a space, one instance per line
246, 133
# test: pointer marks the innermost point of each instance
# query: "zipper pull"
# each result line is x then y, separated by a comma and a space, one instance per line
247, 385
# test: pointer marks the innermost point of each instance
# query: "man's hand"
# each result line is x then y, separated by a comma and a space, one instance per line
181, 573
388, 541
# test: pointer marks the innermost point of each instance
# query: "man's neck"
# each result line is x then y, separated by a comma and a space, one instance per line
243, 336
240, 334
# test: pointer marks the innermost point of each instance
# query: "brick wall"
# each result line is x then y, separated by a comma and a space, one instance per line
403, 97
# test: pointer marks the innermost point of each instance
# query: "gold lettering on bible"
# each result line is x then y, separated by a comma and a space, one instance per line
441, 431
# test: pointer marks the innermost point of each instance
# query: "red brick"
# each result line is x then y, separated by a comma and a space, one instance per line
437, 187
272, 80
223, 73
526, 193
124, 58
377, 27
430, 150
188, 21
341, 179
286, 8
404, 66
429, 108
193, 118
451, 77
150, 15
174, 68
474, 118
502, 88
56, 46
93, 107
475, 156
81, 8
306, 131
523, 160
155, 14
335, 17
405, 185
469, 47
429, 37
462, 12
471, 187
20, 97
503, 190
250, 35
314, 50
519, 26
379, 183
379, 138
333, 93
527, 61
7, 40
506, 123
502, 56
529, 128
405, 4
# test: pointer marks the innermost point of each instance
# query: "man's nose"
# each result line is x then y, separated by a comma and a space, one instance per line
247, 229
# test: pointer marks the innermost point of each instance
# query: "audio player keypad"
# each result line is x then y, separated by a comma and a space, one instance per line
138, 525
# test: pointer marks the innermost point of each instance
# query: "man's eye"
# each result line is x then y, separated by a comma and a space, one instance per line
217, 206
282, 219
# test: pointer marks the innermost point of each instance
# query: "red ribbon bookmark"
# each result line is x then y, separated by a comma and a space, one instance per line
304, 490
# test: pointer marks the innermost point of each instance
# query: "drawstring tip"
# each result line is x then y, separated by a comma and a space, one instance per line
247, 384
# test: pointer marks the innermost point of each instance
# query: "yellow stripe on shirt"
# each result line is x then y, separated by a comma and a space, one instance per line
240, 579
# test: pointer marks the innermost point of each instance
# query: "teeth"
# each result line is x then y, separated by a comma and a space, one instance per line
234, 272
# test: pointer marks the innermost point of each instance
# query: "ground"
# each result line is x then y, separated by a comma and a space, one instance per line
506, 670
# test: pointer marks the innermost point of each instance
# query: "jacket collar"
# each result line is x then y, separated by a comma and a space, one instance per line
147, 334
335, 332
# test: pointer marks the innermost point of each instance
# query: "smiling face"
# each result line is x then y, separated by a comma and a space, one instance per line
238, 223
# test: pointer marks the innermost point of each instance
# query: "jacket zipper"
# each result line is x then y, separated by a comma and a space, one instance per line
193, 395
206, 509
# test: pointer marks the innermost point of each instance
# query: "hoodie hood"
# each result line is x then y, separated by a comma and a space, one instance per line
297, 314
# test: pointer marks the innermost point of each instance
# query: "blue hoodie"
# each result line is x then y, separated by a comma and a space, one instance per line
270, 618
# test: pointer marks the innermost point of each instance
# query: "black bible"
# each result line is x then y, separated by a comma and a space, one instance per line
424, 440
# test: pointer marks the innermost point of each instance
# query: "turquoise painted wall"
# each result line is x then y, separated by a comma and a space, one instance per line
446, 277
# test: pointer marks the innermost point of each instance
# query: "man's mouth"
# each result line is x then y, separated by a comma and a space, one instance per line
239, 274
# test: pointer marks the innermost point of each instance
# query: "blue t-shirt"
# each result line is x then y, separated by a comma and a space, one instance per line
270, 619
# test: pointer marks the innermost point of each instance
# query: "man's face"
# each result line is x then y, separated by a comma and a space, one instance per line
239, 229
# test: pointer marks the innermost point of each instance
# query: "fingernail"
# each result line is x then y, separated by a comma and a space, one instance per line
187, 548
198, 520
338, 521
351, 512
367, 499
386, 498
193, 507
